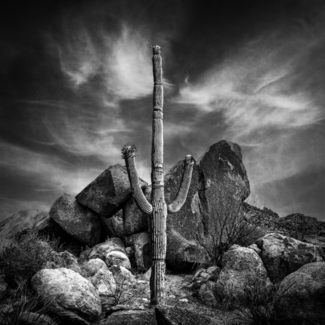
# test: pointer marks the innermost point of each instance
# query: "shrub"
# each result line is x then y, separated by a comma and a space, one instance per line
128, 292
230, 227
259, 305
25, 256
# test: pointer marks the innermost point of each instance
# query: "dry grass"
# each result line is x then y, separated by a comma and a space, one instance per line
23, 308
24, 257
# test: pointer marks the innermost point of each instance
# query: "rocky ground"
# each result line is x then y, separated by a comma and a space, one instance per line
228, 262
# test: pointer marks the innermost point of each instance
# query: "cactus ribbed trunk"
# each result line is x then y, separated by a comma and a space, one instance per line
157, 210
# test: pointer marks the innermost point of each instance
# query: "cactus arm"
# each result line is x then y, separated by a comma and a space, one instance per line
128, 153
176, 205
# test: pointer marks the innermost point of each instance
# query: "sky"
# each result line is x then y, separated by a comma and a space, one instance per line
76, 85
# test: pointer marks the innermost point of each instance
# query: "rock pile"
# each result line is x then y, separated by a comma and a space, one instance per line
106, 236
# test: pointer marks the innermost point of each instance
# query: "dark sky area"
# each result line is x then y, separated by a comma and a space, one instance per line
76, 85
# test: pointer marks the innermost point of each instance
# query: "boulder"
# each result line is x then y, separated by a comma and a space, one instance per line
114, 225
135, 220
183, 254
218, 187
107, 193
300, 298
112, 251
140, 244
73, 298
131, 317
118, 258
78, 221
102, 279
283, 255
242, 268
20, 222
122, 275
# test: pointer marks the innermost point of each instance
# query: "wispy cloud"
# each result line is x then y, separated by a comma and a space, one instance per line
78, 56
256, 90
121, 59
48, 173
270, 99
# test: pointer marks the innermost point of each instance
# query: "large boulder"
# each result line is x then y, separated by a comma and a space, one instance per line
73, 298
242, 268
283, 255
107, 193
218, 187
20, 222
300, 298
78, 221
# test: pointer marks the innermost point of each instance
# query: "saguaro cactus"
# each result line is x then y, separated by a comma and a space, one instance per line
158, 209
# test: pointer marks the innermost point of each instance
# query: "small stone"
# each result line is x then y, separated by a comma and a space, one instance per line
3, 287
118, 258
206, 294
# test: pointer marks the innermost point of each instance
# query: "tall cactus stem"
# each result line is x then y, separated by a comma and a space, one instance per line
158, 210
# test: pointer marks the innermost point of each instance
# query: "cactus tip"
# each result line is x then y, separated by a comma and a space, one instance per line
189, 159
156, 49
128, 150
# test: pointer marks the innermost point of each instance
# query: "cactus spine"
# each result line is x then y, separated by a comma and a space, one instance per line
158, 209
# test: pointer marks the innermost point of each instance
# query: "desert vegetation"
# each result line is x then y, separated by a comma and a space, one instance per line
230, 227
25, 256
